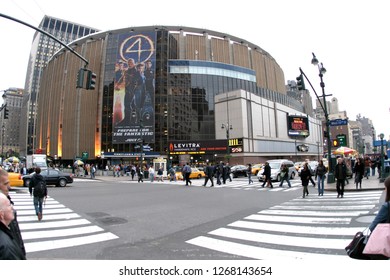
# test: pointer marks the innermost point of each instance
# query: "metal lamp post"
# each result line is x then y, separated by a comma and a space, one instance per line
322, 71
382, 178
227, 127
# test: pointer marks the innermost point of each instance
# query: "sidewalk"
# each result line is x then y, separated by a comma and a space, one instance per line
370, 184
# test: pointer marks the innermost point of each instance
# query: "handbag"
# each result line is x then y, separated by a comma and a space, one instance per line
379, 241
356, 247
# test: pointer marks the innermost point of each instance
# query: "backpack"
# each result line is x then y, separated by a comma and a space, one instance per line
40, 189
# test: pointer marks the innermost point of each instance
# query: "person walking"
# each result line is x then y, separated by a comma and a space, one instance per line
186, 173
140, 174
320, 176
267, 175
38, 190
9, 247
172, 174
284, 175
359, 170
249, 173
160, 175
340, 173
209, 172
305, 178
151, 173
14, 225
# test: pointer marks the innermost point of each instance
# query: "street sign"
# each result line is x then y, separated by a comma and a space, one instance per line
338, 122
378, 143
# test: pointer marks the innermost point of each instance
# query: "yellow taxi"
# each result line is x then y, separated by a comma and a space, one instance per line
15, 179
256, 168
195, 174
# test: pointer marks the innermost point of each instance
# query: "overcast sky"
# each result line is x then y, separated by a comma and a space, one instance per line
351, 38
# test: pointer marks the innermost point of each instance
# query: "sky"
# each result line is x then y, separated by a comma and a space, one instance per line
350, 38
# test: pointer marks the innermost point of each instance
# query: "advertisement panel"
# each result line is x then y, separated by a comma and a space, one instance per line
197, 147
134, 88
298, 126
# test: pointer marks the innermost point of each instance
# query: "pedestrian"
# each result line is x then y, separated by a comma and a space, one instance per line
340, 173
225, 173
37, 188
140, 173
186, 173
229, 171
9, 247
284, 175
14, 225
160, 174
218, 172
373, 166
267, 175
172, 174
320, 177
367, 167
132, 172
305, 178
151, 173
311, 174
383, 214
359, 170
209, 172
93, 171
249, 173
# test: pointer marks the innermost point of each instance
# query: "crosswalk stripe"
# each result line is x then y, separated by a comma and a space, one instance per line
296, 228
303, 220
68, 242
253, 251
60, 225
299, 228
296, 241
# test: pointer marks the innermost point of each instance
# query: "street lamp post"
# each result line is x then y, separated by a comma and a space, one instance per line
322, 71
382, 178
227, 127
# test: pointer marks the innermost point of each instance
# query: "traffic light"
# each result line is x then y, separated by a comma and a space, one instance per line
335, 142
5, 112
80, 78
300, 83
326, 134
91, 80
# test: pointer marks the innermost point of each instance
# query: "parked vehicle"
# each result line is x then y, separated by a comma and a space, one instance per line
276, 165
52, 177
312, 167
256, 168
239, 171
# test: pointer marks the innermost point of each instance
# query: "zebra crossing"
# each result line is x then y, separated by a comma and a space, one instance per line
60, 227
235, 184
316, 227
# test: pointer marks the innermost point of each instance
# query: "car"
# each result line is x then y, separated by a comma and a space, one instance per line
256, 168
276, 165
239, 170
15, 179
52, 177
195, 173
312, 166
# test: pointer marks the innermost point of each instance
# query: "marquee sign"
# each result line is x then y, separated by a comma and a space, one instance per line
298, 126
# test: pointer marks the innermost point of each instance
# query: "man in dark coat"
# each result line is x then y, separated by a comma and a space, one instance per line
209, 172
340, 173
39, 196
9, 247
14, 225
267, 175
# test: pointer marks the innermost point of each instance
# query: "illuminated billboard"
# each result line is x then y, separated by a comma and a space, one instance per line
298, 126
134, 88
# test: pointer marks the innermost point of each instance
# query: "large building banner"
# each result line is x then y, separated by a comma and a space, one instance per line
133, 106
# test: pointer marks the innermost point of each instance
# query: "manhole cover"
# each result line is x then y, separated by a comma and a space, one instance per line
97, 214
112, 220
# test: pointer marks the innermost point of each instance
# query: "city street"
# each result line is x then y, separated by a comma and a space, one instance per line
117, 218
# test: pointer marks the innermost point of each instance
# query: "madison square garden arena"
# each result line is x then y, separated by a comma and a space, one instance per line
172, 94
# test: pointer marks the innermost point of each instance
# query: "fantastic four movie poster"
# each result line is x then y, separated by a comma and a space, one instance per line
134, 86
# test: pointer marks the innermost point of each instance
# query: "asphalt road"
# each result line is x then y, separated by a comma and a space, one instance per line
153, 221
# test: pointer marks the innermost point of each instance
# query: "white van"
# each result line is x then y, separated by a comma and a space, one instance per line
276, 165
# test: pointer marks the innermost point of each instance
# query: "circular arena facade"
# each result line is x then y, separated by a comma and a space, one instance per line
168, 92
